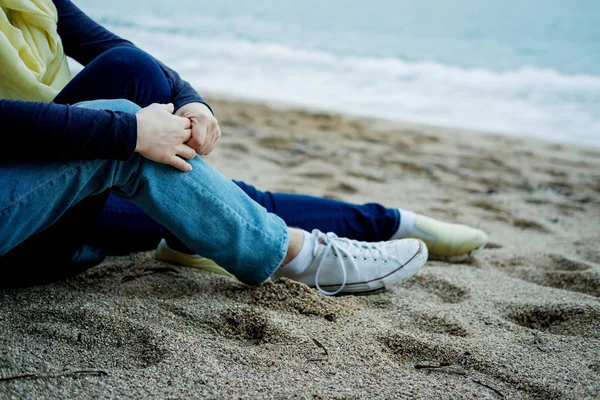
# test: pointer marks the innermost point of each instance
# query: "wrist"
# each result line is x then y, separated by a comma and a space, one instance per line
138, 137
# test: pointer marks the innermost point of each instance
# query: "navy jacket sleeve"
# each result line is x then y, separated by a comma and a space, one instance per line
32, 131
35, 131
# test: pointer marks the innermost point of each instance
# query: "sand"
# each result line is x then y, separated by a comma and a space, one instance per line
521, 320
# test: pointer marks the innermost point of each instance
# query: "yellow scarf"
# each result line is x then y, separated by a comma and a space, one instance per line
33, 65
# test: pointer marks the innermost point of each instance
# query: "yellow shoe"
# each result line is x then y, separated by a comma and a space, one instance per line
165, 253
452, 242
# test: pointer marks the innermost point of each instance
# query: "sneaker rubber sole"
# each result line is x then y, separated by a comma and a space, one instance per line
165, 253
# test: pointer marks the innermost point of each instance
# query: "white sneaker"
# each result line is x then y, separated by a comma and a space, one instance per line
350, 266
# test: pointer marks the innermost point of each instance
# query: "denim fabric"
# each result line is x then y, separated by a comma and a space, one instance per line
122, 227
370, 222
203, 208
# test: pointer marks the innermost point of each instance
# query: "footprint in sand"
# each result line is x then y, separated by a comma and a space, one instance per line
280, 151
495, 211
588, 249
488, 163
556, 187
101, 338
559, 262
560, 319
274, 142
409, 349
342, 187
564, 208
237, 147
556, 173
568, 210
318, 175
368, 177
582, 282
241, 322
491, 206
404, 167
538, 201
528, 224
557, 271
434, 324
284, 159
442, 289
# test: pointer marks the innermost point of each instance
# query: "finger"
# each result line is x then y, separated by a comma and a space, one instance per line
199, 133
185, 151
193, 143
187, 135
216, 135
208, 143
179, 163
182, 122
186, 123
211, 145
169, 107
207, 150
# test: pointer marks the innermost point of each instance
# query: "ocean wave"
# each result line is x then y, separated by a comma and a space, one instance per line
524, 101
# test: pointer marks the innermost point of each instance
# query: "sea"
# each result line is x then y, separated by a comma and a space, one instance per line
521, 68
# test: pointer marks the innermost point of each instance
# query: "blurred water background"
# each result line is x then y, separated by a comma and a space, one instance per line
525, 68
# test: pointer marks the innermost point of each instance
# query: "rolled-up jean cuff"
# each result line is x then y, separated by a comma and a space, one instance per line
283, 248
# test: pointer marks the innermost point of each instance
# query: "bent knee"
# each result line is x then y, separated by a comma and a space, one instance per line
124, 56
137, 70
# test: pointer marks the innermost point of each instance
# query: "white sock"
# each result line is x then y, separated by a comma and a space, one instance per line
407, 224
303, 259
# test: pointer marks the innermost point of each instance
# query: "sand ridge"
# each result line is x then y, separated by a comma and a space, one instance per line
521, 320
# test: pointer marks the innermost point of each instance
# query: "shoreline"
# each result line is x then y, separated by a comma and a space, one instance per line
290, 106
520, 320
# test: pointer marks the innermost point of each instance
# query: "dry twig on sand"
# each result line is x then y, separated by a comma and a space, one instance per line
55, 375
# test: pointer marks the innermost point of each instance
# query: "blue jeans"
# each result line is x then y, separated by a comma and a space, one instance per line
122, 227
204, 209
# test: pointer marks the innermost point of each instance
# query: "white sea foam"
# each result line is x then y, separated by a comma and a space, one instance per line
526, 101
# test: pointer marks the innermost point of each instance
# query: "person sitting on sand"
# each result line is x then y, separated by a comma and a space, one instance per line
123, 228
128, 126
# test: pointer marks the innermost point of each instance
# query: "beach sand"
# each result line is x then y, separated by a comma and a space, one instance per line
521, 320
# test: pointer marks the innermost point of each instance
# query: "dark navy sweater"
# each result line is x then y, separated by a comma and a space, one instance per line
35, 131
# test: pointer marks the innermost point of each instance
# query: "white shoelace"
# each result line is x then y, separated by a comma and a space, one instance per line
345, 249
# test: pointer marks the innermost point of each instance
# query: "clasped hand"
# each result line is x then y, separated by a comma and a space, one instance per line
170, 138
